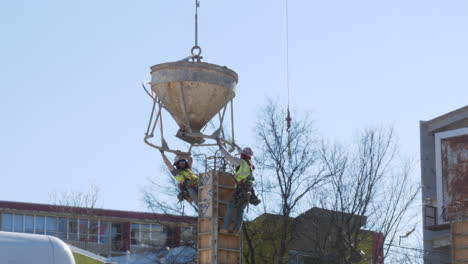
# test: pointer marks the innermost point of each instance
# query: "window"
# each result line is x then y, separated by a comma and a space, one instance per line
187, 235
103, 232
72, 229
51, 225
83, 229
93, 231
158, 236
29, 224
145, 234
135, 234
7, 222
62, 228
40, 225
300, 258
117, 237
430, 216
18, 223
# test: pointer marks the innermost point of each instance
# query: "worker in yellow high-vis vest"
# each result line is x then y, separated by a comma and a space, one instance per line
244, 193
188, 181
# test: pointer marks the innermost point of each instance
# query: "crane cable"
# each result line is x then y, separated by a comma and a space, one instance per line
197, 5
196, 50
288, 117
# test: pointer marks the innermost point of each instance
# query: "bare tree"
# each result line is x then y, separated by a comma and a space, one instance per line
73, 198
290, 161
364, 189
75, 204
368, 188
160, 196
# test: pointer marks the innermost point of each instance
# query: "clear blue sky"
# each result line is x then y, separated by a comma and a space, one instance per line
72, 109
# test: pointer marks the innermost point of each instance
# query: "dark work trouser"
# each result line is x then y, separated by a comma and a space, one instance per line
239, 210
237, 205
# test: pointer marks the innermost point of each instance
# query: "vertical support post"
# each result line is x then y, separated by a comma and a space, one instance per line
215, 218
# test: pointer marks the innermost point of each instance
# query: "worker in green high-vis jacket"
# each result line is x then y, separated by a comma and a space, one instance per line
244, 192
188, 181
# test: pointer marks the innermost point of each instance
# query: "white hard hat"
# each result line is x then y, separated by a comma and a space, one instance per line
247, 151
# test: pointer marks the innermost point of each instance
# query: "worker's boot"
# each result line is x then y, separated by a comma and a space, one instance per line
253, 199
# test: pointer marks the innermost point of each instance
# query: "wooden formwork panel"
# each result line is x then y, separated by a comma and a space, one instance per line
459, 228
222, 209
205, 194
460, 255
228, 257
222, 213
460, 241
205, 209
225, 179
229, 241
204, 241
204, 257
225, 194
224, 248
205, 179
221, 223
204, 225
231, 225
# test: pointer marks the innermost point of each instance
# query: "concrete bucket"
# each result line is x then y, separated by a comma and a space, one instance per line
193, 92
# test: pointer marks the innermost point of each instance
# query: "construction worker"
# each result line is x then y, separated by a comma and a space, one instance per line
188, 181
244, 193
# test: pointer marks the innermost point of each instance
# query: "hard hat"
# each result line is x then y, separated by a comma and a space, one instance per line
247, 151
176, 164
178, 160
185, 158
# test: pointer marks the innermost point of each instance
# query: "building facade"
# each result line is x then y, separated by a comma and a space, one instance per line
316, 236
320, 236
444, 178
104, 232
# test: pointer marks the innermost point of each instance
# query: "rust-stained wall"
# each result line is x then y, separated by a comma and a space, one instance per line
434, 146
455, 176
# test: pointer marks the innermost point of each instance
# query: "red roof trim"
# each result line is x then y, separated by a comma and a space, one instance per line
96, 212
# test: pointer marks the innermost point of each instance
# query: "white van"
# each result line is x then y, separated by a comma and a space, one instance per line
19, 248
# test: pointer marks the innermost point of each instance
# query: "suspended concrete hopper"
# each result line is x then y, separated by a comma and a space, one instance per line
193, 92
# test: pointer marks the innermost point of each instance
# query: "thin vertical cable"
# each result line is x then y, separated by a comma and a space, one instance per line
197, 4
288, 117
287, 47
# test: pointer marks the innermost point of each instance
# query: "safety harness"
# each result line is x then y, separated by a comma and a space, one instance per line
244, 182
187, 179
